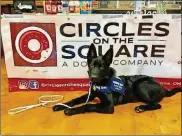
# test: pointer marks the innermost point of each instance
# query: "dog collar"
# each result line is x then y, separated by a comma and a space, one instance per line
115, 84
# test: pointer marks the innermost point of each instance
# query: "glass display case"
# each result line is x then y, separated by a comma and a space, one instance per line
115, 4
126, 4
130, 7
100, 6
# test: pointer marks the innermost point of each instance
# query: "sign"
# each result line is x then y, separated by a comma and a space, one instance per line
85, 6
21, 6
49, 54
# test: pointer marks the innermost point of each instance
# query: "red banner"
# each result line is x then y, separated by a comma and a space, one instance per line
22, 84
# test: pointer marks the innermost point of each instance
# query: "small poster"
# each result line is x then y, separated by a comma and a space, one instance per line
103, 4
22, 6
74, 7
86, 6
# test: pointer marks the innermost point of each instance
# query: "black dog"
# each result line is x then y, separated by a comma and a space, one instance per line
112, 90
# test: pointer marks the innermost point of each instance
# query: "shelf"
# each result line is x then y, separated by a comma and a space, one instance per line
40, 3
6, 2
113, 9
172, 9
167, 9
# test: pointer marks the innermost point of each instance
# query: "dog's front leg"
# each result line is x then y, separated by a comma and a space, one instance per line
74, 102
99, 108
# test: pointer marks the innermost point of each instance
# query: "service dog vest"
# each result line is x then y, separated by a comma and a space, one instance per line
115, 84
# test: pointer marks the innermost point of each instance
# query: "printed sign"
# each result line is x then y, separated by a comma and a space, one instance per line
21, 6
85, 6
49, 54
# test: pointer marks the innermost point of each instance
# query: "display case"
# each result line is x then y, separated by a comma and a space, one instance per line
104, 6
129, 7
112, 5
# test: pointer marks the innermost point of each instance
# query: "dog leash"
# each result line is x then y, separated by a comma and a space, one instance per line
89, 93
45, 103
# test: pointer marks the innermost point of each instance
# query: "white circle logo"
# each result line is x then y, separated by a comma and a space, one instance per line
34, 44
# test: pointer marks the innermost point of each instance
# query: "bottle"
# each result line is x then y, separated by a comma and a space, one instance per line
59, 6
84, 6
48, 7
65, 7
90, 7
87, 6
54, 6
77, 6
71, 7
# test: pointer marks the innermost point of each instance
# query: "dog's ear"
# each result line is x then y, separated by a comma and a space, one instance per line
92, 53
108, 56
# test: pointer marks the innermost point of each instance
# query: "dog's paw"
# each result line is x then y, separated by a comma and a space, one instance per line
69, 112
139, 109
58, 108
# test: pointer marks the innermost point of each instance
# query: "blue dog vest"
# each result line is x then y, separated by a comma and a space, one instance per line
115, 84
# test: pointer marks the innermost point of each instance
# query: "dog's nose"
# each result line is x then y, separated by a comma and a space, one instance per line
94, 78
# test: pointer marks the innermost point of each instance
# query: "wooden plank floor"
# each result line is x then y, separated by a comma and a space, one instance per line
124, 121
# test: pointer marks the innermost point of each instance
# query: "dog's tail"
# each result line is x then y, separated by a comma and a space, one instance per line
173, 92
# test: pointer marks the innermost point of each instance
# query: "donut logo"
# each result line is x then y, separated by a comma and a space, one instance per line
34, 44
